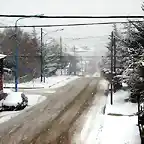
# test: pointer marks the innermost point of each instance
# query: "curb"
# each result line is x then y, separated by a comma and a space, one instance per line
36, 87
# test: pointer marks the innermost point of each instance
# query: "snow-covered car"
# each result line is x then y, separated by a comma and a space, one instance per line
14, 101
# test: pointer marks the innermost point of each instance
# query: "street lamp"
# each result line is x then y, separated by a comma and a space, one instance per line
16, 51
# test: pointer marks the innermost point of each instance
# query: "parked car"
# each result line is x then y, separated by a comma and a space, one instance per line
14, 101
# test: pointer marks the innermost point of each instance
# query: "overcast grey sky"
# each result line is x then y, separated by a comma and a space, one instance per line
72, 7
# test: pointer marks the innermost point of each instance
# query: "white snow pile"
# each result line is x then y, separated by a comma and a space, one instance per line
120, 125
103, 85
117, 126
60, 72
96, 74
49, 82
124, 84
7, 115
34, 99
64, 82
8, 91
119, 105
87, 76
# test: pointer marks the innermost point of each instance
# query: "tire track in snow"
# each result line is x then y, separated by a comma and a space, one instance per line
93, 127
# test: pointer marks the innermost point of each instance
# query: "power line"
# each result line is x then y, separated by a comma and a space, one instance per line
88, 37
57, 30
70, 25
73, 17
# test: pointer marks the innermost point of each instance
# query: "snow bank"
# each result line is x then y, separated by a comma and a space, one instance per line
35, 99
124, 84
87, 76
49, 82
96, 74
103, 84
119, 105
5, 116
120, 125
64, 82
120, 130
8, 91
117, 126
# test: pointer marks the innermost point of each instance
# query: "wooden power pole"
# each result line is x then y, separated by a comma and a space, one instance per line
41, 54
114, 50
111, 100
61, 53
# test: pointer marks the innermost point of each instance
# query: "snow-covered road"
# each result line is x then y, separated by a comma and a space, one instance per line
94, 123
35, 96
89, 125
102, 122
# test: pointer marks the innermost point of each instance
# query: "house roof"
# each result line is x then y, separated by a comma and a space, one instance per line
2, 56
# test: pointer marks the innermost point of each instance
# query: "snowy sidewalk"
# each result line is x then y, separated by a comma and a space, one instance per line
116, 126
119, 127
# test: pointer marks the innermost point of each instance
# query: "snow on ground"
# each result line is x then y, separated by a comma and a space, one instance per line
119, 105
49, 82
120, 129
87, 76
64, 82
33, 99
117, 126
6, 90
96, 74
5, 116
15, 98
93, 123
103, 85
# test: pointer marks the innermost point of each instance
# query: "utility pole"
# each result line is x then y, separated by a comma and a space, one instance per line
74, 61
112, 68
61, 53
85, 69
16, 59
17, 50
81, 65
114, 49
41, 54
